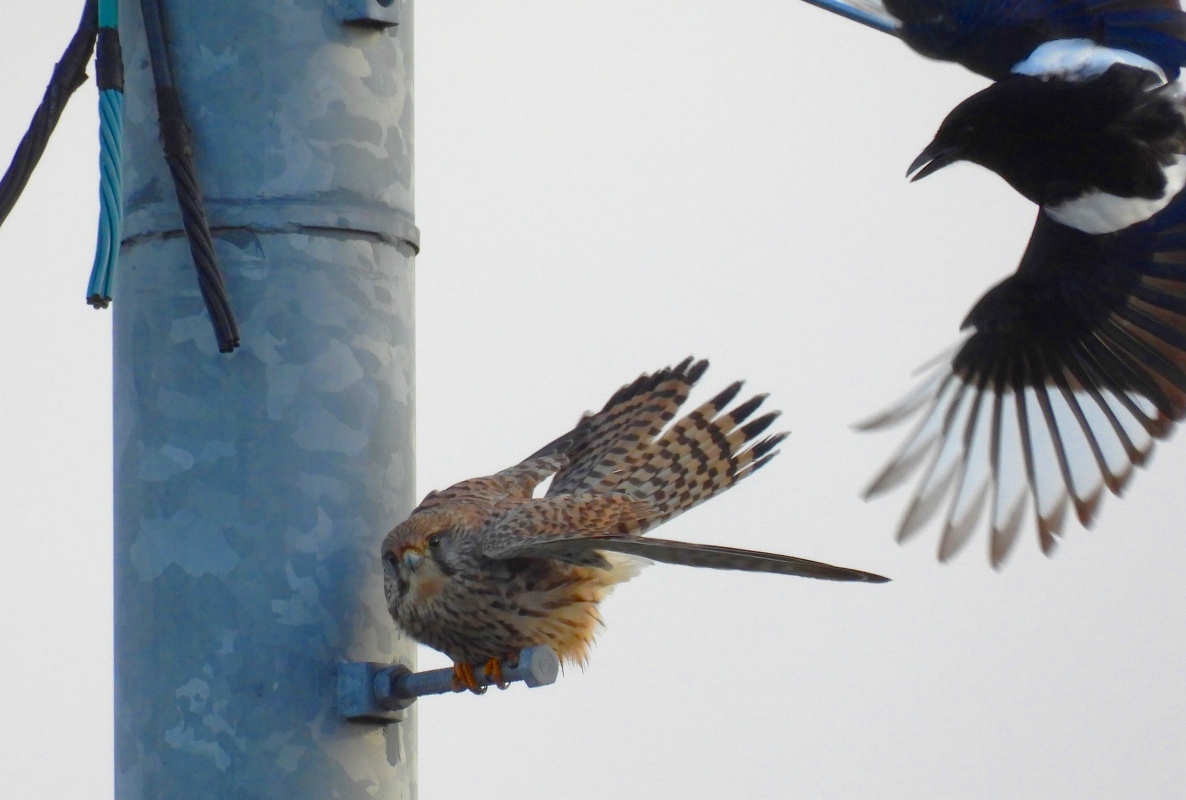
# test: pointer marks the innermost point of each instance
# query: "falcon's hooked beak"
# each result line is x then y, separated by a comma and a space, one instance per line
412, 558
934, 158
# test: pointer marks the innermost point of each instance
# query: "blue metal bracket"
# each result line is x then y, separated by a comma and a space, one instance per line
379, 693
379, 14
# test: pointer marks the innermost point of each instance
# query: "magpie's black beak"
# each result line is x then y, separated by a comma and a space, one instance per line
933, 159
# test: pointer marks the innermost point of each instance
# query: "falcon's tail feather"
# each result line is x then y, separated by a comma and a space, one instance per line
709, 556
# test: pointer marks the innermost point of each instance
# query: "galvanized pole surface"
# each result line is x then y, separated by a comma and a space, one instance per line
252, 489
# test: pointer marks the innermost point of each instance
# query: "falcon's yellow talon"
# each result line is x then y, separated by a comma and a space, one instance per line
493, 673
464, 678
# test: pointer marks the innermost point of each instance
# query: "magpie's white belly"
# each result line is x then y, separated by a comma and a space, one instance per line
1100, 212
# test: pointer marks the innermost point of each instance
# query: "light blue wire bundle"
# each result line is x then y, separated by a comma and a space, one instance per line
111, 124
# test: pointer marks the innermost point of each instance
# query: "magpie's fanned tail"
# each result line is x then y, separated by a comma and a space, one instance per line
1075, 367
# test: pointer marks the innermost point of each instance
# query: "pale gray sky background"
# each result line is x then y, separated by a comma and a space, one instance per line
604, 189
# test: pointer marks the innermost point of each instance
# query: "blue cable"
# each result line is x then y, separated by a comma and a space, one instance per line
109, 75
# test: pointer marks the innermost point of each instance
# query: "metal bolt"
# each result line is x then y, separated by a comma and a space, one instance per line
378, 14
378, 693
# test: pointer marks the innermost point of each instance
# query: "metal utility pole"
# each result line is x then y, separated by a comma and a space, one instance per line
252, 489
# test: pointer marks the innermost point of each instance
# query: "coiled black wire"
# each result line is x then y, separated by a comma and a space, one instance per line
68, 75
179, 155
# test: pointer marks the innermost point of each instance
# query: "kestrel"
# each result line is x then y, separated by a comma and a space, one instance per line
483, 569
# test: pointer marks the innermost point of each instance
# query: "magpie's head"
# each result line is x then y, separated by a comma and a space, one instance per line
982, 129
1021, 128
1054, 138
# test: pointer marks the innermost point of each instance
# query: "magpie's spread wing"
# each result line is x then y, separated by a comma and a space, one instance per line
1076, 364
866, 12
992, 36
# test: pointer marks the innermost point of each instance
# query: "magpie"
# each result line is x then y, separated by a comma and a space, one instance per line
1072, 367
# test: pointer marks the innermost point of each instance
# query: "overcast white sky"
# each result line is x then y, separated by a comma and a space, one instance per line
604, 189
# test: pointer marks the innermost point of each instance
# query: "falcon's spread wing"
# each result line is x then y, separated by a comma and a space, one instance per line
623, 448
525, 530
513, 483
603, 447
1076, 365
626, 475
701, 455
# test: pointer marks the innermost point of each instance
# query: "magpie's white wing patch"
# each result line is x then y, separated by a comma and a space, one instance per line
1080, 60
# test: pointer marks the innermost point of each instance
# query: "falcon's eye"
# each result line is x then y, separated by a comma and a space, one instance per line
390, 560
434, 542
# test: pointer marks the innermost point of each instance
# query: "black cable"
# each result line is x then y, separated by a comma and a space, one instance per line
68, 75
175, 138
109, 60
